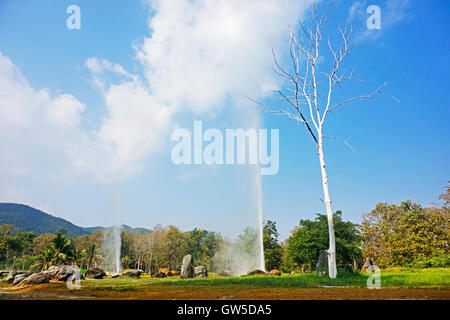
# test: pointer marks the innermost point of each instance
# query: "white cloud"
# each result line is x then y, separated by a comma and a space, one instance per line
199, 55
200, 52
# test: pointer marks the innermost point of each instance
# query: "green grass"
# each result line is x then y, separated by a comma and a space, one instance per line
389, 278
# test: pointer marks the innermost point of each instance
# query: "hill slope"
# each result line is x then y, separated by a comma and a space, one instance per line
27, 218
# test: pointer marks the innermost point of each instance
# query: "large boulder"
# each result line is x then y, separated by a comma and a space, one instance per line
18, 278
52, 271
200, 272
65, 272
29, 273
257, 273
134, 273
187, 270
95, 273
368, 266
224, 273
36, 278
322, 262
10, 277
275, 272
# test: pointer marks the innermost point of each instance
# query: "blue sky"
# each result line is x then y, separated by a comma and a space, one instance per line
178, 61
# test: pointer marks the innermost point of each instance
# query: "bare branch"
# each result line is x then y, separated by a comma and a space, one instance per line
344, 141
367, 96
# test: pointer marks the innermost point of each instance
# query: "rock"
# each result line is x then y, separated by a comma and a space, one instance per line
18, 278
134, 273
173, 273
257, 273
65, 272
95, 273
275, 272
164, 270
322, 262
224, 273
292, 273
187, 270
10, 277
368, 266
200, 272
29, 273
36, 278
52, 271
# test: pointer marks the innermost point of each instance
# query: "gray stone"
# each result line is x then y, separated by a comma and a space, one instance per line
95, 273
187, 270
36, 278
29, 273
134, 273
52, 271
322, 262
10, 277
18, 278
200, 272
65, 272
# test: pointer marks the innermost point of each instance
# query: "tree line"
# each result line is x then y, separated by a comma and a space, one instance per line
405, 235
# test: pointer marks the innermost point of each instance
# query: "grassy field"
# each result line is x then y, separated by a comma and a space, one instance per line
390, 278
395, 284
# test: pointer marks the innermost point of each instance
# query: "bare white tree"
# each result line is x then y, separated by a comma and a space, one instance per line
308, 94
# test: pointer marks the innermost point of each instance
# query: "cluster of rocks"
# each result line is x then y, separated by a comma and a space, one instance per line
257, 272
188, 270
55, 273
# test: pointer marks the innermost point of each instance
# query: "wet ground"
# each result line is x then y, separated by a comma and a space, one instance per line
56, 291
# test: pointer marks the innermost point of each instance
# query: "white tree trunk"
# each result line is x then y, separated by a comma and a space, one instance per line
332, 271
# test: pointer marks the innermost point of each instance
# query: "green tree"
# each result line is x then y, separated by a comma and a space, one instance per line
7, 233
400, 235
306, 242
273, 251
202, 245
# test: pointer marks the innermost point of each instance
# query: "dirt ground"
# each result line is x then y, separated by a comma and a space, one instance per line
56, 291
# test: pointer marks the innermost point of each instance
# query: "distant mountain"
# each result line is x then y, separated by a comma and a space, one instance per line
124, 227
27, 218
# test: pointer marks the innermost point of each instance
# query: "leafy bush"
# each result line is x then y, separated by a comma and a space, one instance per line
437, 261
